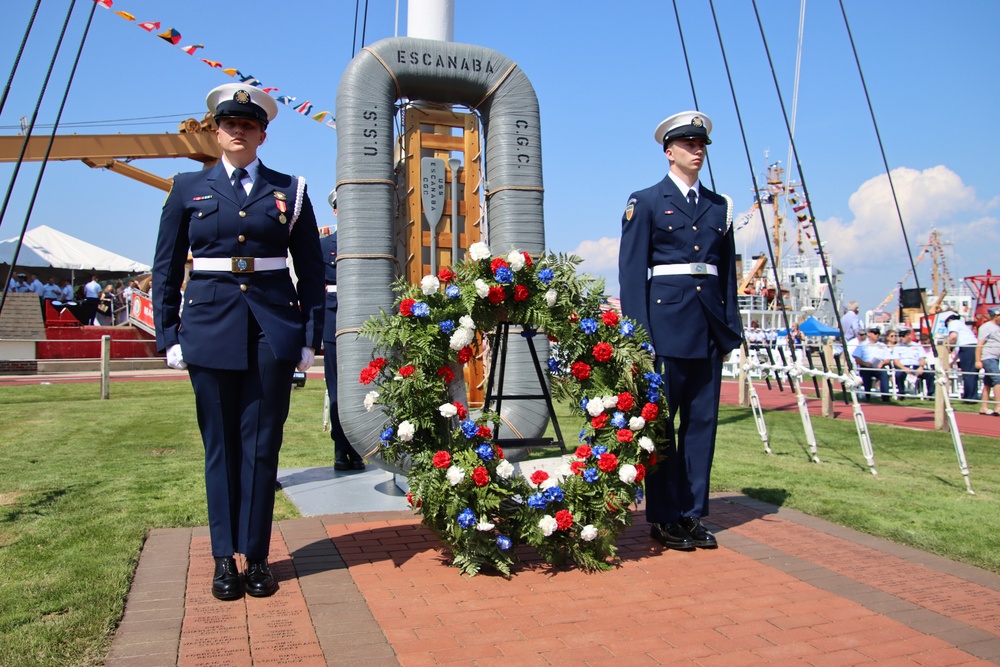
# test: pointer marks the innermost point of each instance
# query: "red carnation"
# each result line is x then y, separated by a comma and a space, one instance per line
564, 520
577, 467
608, 462
368, 374
484, 432
521, 293
625, 401
409, 500
580, 370
377, 363
447, 374
538, 477
497, 294
461, 410
583, 451
406, 307
442, 459
640, 472
610, 318
527, 259
600, 421
480, 476
602, 352
649, 411
552, 339
465, 354
407, 371
499, 452
574, 318
652, 458
497, 263
624, 435
446, 275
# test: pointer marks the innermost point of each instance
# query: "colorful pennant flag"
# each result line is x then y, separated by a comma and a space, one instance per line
249, 79
212, 63
104, 3
305, 108
321, 115
126, 16
285, 99
150, 26
191, 49
171, 36
231, 71
269, 90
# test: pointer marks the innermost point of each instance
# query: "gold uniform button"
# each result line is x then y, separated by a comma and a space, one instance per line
697, 248
694, 228
658, 301
241, 238
243, 214
244, 288
290, 303
201, 213
190, 301
670, 228
698, 288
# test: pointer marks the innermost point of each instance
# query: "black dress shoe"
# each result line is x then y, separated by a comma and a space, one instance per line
672, 536
357, 462
260, 583
342, 463
700, 535
226, 583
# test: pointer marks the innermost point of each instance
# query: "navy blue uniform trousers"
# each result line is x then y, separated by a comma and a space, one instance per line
241, 415
678, 486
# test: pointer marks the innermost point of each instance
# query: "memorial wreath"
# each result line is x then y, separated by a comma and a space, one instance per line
459, 479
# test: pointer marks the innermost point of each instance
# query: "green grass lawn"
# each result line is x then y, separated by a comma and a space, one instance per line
84, 480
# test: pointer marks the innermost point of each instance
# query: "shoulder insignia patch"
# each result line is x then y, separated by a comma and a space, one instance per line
629, 210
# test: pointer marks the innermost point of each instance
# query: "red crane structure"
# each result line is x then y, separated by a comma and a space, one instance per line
986, 289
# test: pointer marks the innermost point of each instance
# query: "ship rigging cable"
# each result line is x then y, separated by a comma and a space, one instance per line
17, 58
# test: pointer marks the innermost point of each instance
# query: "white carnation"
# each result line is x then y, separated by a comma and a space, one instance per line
627, 473
447, 410
455, 475
482, 289
429, 284
595, 406
484, 526
589, 533
610, 401
467, 322
406, 431
646, 444
505, 469
479, 250
516, 260
547, 525
550, 297
636, 423
461, 337
371, 398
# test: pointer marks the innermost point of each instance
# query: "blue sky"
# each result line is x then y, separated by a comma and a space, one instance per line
605, 74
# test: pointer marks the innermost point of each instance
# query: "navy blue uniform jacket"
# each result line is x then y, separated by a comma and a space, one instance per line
328, 245
680, 312
201, 212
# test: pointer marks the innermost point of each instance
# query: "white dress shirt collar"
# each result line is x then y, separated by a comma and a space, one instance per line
684, 187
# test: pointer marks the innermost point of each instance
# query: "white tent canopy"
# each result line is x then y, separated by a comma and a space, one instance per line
62, 251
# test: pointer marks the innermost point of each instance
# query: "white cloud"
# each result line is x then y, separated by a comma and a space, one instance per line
600, 258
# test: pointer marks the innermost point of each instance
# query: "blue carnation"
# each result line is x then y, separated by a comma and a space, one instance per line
583, 436
546, 275
648, 348
655, 380
452, 291
639, 495
627, 329
652, 395
466, 519
598, 450
555, 494
421, 309
618, 420
469, 428
537, 501
583, 404
485, 452
588, 325
590, 475
503, 275
553, 366
503, 542
447, 326
386, 435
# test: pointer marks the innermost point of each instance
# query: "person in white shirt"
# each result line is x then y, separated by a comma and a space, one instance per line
91, 295
988, 359
908, 359
960, 337
930, 364
851, 321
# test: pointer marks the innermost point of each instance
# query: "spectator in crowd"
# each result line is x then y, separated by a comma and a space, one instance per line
928, 377
106, 307
908, 360
872, 359
963, 344
66, 292
988, 359
51, 291
851, 321
860, 338
35, 285
91, 295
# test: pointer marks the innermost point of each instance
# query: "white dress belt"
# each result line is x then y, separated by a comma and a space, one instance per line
239, 264
331, 289
695, 269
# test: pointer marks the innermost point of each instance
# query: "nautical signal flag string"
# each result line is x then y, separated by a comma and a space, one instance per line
172, 36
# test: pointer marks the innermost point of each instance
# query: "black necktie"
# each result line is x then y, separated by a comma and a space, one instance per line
693, 199
241, 195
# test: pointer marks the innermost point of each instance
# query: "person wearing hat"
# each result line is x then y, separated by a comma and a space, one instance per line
344, 455
872, 359
963, 343
988, 359
851, 321
908, 360
677, 273
246, 326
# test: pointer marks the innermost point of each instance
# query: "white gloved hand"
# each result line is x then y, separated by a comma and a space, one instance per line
308, 356
175, 359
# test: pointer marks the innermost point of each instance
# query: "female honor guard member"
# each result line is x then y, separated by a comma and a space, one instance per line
245, 326
677, 273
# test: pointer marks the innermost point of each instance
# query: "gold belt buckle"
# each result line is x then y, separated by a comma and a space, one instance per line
698, 269
242, 264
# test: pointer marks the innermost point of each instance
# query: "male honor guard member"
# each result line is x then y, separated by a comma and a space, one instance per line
677, 273
245, 327
345, 457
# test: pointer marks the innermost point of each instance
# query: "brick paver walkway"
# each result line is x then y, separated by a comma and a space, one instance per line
374, 589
